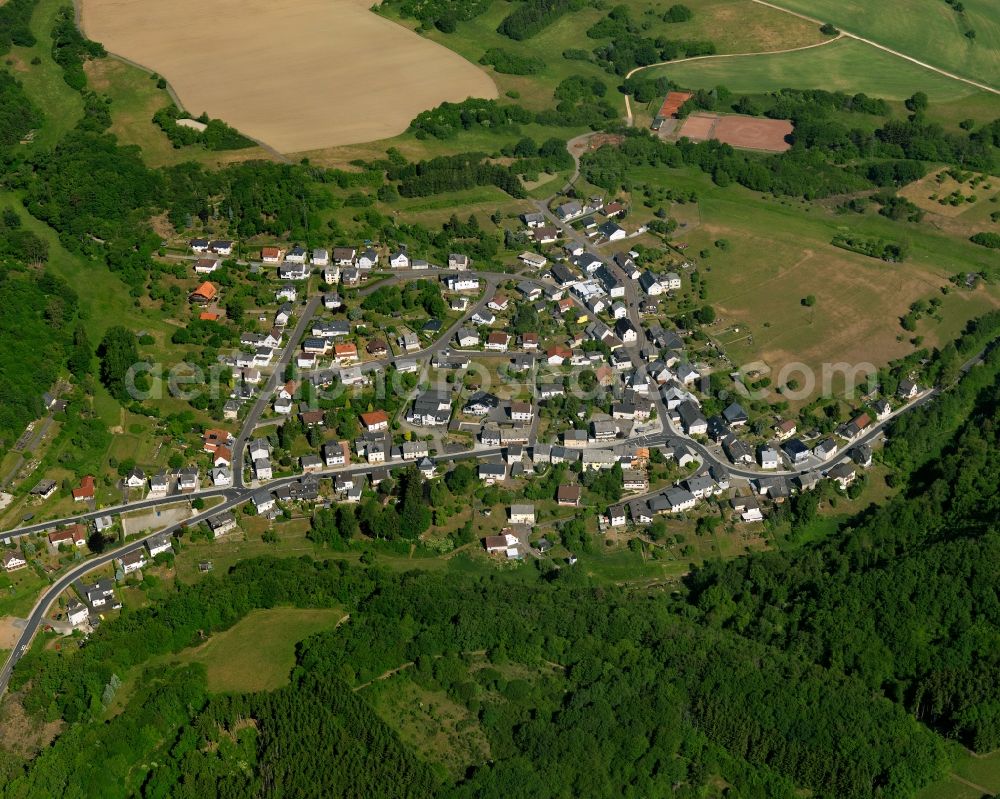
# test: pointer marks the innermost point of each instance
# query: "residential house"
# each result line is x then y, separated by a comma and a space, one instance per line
221, 247
45, 489
533, 259
907, 390
414, 450
796, 450
76, 613
692, 419
650, 283
635, 480
375, 421
205, 266
883, 410
522, 514
521, 411
481, 403
73, 536
136, 478
262, 469
159, 484
311, 463
491, 473
611, 231
825, 449
616, 515
596, 459
262, 501
626, 331
862, 455
368, 259
768, 457
785, 429
222, 523
271, 255
497, 341
462, 283
844, 474
430, 409
568, 495
321, 257
547, 234
345, 353
158, 544
335, 453
13, 559
458, 261
701, 486
737, 450
399, 259
679, 500
85, 491
132, 561
734, 415
293, 271
100, 593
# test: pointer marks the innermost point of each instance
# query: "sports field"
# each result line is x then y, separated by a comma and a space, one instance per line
845, 65
929, 30
295, 74
739, 131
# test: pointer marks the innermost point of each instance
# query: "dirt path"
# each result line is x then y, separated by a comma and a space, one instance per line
974, 786
628, 104
911, 59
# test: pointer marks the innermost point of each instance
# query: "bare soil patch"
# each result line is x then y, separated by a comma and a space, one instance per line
295, 74
749, 133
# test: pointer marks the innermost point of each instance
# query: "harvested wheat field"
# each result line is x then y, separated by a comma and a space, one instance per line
294, 74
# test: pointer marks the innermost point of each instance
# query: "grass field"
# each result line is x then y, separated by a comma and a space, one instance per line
779, 252
134, 100
297, 75
258, 652
846, 65
61, 106
733, 25
971, 777
929, 30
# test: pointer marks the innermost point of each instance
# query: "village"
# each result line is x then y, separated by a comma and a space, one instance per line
563, 371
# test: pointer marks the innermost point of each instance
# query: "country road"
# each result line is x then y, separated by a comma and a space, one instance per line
843, 34
628, 104
984, 86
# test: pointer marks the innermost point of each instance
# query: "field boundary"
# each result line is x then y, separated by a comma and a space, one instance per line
628, 104
984, 86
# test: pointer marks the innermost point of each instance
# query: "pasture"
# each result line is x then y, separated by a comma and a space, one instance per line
258, 652
842, 65
929, 30
779, 252
295, 74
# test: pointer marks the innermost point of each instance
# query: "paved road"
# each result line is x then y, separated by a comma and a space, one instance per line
277, 378
232, 500
239, 493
